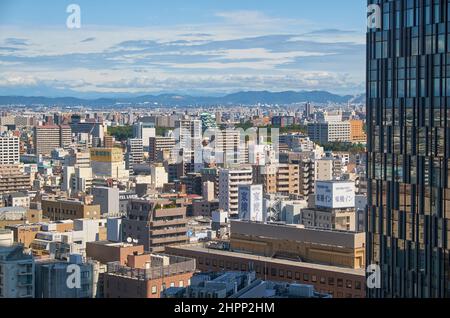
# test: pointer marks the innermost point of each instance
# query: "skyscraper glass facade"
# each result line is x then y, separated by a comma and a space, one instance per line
408, 109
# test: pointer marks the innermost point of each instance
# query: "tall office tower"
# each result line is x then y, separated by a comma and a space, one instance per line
144, 131
135, 153
229, 182
189, 137
47, 138
9, 150
408, 89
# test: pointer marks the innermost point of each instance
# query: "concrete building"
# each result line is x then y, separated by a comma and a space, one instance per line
312, 245
278, 178
251, 203
244, 285
69, 210
108, 163
159, 146
78, 159
328, 169
307, 172
155, 224
9, 150
16, 271
52, 277
149, 277
109, 252
17, 199
159, 175
204, 207
6, 237
330, 132
189, 138
76, 179
144, 131
229, 182
229, 148
13, 179
357, 134
49, 137
107, 199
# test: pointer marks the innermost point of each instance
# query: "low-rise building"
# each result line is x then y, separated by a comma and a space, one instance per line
16, 272
69, 210
151, 275
338, 282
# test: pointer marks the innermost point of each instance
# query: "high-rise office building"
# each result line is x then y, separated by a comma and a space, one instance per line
408, 89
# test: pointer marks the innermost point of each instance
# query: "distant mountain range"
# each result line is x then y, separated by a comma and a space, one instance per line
240, 98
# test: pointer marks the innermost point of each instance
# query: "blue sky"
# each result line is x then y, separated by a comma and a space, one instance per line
192, 47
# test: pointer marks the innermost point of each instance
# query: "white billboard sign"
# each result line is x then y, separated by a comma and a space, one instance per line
335, 194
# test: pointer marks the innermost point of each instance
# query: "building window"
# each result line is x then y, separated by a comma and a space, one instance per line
348, 284
273, 271
289, 274
154, 290
314, 278
305, 277
331, 281
358, 285
340, 282
180, 283
281, 272
297, 275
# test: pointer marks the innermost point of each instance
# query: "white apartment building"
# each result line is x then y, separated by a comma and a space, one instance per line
330, 132
9, 150
159, 176
229, 182
135, 153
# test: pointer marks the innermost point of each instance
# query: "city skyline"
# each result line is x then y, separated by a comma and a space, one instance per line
206, 48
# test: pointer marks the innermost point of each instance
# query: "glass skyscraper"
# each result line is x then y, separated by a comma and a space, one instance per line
408, 118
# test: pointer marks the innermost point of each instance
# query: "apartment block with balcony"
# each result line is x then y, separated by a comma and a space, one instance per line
16, 272
13, 179
57, 210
